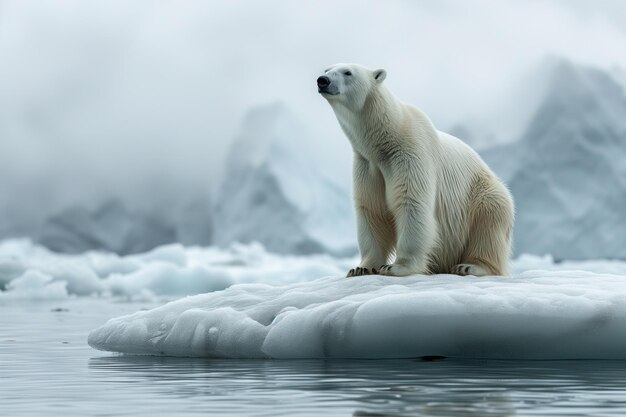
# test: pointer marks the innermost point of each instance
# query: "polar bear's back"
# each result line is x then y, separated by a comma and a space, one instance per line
456, 148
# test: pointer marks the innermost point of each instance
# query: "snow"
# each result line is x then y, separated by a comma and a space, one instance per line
535, 314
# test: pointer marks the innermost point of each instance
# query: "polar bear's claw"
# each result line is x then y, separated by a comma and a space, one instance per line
469, 269
396, 270
358, 271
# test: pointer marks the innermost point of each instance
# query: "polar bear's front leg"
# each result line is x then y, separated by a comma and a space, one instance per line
375, 228
411, 197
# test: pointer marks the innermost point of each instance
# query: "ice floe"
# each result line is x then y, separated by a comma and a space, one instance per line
538, 314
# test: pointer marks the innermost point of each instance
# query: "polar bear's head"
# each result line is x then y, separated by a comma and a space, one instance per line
349, 84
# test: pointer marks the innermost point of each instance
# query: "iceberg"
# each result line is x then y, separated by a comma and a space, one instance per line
537, 314
113, 224
110, 227
566, 172
275, 193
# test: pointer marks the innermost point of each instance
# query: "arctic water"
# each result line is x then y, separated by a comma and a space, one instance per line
48, 369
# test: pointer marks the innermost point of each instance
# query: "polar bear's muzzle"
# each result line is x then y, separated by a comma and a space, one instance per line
325, 86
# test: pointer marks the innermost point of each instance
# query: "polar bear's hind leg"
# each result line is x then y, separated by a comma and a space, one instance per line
489, 244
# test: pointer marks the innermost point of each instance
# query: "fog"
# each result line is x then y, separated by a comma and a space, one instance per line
141, 99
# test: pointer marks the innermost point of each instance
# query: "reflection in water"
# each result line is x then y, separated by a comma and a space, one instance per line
378, 388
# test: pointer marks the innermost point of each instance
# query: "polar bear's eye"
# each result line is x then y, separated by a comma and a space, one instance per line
347, 73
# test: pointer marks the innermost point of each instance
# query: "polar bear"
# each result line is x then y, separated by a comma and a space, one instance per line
420, 194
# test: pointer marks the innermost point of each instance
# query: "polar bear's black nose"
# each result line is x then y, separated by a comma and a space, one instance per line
323, 81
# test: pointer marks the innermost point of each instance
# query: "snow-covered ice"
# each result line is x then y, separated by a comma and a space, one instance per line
538, 314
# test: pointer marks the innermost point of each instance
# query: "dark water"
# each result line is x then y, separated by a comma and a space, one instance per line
46, 368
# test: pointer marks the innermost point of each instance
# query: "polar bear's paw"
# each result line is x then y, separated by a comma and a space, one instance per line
396, 270
469, 269
358, 271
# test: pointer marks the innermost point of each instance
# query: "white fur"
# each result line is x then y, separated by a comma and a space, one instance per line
420, 194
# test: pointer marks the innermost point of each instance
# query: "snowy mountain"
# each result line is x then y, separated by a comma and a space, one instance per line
274, 193
567, 171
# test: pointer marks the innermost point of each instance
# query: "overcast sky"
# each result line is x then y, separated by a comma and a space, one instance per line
103, 96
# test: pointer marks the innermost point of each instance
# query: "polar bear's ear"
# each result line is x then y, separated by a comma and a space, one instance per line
380, 75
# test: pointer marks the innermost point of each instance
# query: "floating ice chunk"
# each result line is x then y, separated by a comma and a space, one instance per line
174, 254
167, 279
34, 285
105, 264
536, 314
10, 269
78, 278
165, 272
